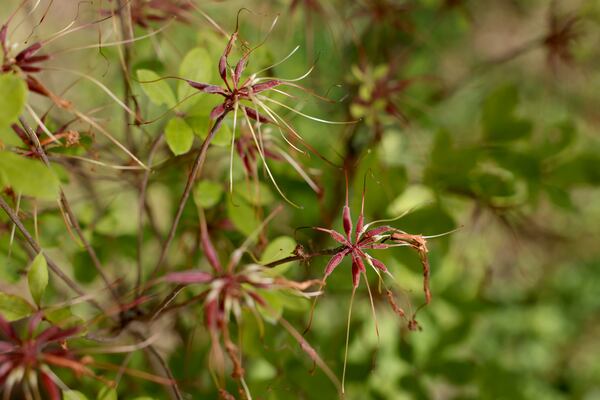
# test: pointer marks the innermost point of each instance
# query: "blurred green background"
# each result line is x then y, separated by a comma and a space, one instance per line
471, 115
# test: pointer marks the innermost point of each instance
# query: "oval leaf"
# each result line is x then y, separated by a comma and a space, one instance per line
37, 277
107, 393
196, 66
207, 194
28, 177
12, 101
158, 92
179, 136
14, 307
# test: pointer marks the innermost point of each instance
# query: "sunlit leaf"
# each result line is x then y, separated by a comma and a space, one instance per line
12, 101
207, 193
197, 65
179, 136
158, 91
13, 307
37, 277
28, 176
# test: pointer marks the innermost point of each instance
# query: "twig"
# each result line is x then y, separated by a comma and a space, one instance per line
299, 257
53, 266
196, 169
141, 208
72, 218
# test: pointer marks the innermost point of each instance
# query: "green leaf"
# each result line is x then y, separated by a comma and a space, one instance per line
498, 119
158, 92
279, 248
73, 395
13, 307
258, 194
491, 185
197, 65
63, 317
201, 124
12, 101
107, 393
207, 194
37, 277
179, 136
28, 177
450, 165
10, 270
242, 215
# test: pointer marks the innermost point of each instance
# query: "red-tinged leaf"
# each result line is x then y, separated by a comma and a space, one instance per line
258, 298
35, 59
377, 231
50, 387
335, 261
356, 259
360, 223
239, 69
217, 111
390, 297
223, 69
251, 113
189, 277
33, 323
211, 315
401, 85
223, 59
36, 86
261, 87
56, 334
378, 264
338, 237
347, 221
29, 69
3, 32
355, 275
206, 88
209, 250
7, 329
28, 52
5, 347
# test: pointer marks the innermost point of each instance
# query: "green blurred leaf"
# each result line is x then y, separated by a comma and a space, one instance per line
460, 372
242, 215
28, 177
179, 136
107, 393
37, 277
257, 194
207, 193
197, 65
583, 169
13, 307
201, 125
74, 395
158, 92
63, 317
490, 185
278, 248
10, 270
498, 119
559, 137
449, 166
13, 99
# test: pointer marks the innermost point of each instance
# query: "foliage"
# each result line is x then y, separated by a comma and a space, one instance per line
177, 180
